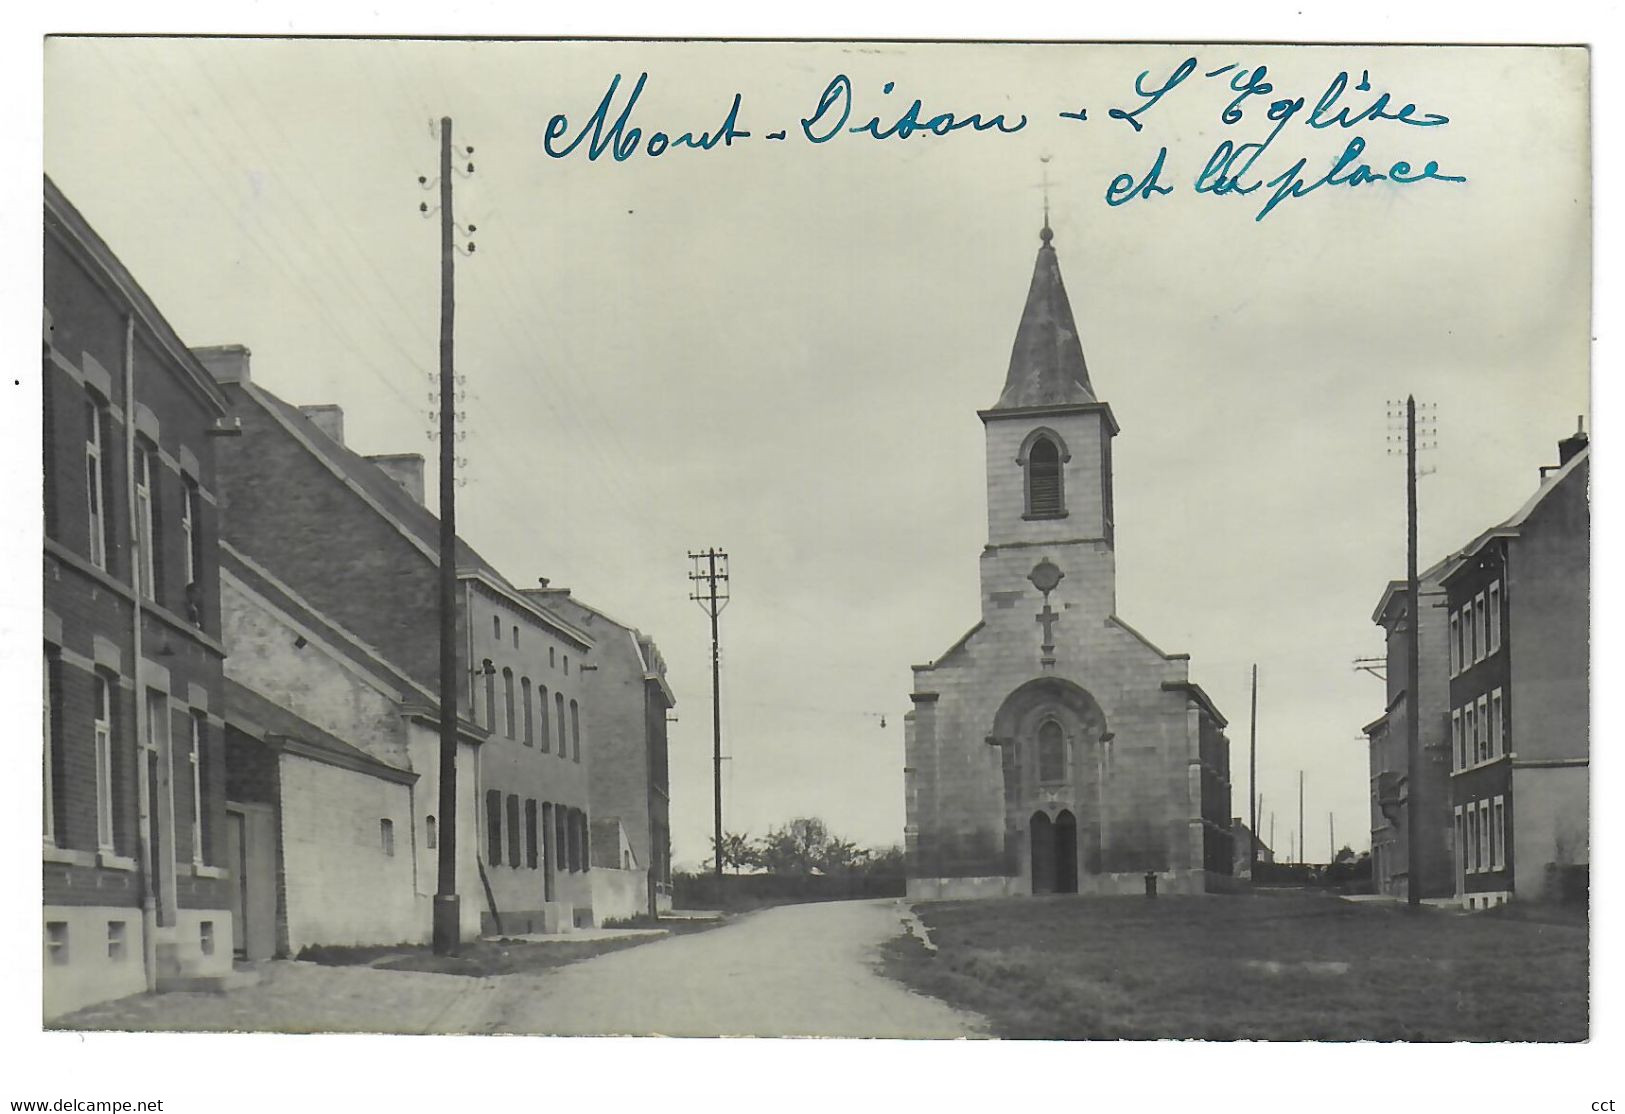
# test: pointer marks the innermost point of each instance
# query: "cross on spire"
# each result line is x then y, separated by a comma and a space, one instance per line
1046, 234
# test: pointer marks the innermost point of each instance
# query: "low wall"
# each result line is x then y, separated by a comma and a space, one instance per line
619, 894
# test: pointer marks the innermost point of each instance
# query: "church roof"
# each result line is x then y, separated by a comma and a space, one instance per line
1046, 362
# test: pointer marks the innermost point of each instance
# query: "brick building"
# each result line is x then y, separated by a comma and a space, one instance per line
136, 890
1053, 748
1518, 656
629, 787
1388, 746
333, 779
351, 536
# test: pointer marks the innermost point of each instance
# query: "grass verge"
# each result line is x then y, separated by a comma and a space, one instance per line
1253, 967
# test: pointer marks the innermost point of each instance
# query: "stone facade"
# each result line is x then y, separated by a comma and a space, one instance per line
1054, 748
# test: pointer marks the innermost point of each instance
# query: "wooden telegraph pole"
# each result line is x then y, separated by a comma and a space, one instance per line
1413, 671
711, 570
447, 906
1252, 780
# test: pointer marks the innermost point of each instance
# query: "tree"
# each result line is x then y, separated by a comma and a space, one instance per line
738, 851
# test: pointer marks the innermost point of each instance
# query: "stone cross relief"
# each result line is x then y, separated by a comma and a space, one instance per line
1045, 576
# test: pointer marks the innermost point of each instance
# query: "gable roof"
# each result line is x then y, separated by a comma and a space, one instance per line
1513, 526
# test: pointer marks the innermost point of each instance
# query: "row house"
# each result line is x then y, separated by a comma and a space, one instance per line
1504, 708
136, 886
350, 537
1518, 599
629, 786
1388, 746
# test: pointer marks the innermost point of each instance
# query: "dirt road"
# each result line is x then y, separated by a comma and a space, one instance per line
796, 970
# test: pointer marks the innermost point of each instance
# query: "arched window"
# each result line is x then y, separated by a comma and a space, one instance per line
575, 730
541, 707
1045, 496
530, 725
558, 711
1051, 752
507, 702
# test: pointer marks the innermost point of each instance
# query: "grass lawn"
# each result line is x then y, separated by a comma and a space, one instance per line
1286, 966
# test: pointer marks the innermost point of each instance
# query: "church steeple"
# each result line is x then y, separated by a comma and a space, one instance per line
1046, 362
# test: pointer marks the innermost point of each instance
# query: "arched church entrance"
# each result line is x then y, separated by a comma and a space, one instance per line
1054, 845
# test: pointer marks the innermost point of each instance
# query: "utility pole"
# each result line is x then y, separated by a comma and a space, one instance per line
1331, 837
1301, 840
1413, 640
1252, 778
711, 567
1413, 670
447, 906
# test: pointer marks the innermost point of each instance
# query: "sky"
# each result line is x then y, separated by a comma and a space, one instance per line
779, 347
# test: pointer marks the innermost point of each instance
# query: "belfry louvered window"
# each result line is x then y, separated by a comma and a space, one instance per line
1044, 495
1051, 753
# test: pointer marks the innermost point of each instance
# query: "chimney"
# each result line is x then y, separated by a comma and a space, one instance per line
1573, 443
405, 469
228, 363
329, 419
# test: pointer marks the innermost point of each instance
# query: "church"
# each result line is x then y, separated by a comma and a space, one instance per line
1054, 748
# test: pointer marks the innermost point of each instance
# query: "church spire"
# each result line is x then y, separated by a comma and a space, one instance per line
1046, 362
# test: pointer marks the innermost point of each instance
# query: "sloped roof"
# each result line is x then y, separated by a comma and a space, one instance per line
1512, 526
260, 717
1046, 362
416, 522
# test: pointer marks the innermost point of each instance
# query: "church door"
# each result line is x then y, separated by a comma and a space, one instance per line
1041, 836
1066, 853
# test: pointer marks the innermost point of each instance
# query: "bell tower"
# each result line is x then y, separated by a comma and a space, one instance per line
1049, 448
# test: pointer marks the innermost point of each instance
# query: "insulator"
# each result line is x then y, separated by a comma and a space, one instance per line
468, 150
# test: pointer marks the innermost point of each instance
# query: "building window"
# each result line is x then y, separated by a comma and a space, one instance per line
1455, 643
1497, 726
573, 834
1483, 835
513, 829
516, 636
1470, 725
1461, 844
386, 837
1481, 632
1472, 839
1051, 753
566, 665
55, 755
545, 840
493, 827
194, 758
116, 941
96, 479
1495, 616
507, 702
430, 838
541, 708
192, 539
1045, 497
496, 627
1498, 834
552, 657
558, 710
146, 520
561, 840
205, 937
103, 726
586, 841
1484, 750
530, 722
56, 943
490, 671
531, 850
575, 730
1459, 739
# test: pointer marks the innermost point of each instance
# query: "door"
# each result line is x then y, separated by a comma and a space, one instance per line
1066, 853
251, 854
1041, 838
